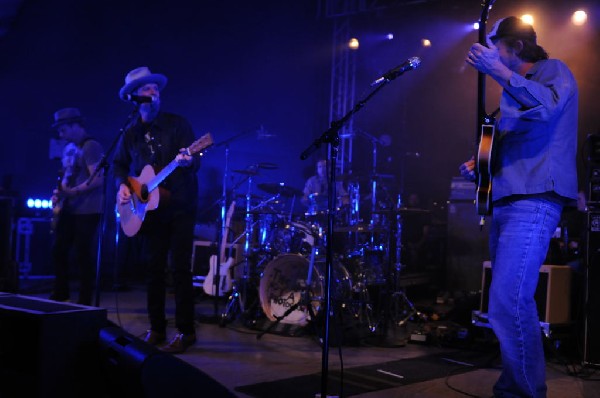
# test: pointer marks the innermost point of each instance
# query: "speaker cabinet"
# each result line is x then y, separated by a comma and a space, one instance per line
204, 249
592, 315
552, 295
467, 246
8, 269
47, 349
136, 369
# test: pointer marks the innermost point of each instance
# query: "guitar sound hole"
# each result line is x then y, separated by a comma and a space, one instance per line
144, 193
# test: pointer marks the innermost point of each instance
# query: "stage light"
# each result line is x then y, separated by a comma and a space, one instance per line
353, 44
35, 203
389, 36
527, 18
476, 26
426, 42
579, 18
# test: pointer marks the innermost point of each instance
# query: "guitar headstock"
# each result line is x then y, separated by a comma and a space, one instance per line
200, 144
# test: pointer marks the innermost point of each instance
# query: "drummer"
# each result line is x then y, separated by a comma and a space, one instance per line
316, 191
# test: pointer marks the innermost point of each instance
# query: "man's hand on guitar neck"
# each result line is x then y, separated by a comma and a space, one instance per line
124, 194
183, 159
467, 169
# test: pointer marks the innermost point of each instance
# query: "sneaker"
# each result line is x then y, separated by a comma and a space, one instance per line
180, 343
154, 338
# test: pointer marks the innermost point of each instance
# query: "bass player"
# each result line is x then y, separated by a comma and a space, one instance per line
533, 176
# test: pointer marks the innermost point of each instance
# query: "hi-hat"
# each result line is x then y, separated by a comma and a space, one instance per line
276, 188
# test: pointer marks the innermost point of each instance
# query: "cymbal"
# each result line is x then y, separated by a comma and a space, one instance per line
267, 166
275, 188
248, 172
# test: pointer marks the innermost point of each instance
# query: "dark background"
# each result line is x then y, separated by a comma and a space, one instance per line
234, 66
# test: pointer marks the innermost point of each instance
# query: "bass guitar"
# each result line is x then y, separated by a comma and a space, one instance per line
57, 202
485, 132
144, 195
225, 283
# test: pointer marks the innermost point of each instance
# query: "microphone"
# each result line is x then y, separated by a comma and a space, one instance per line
409, 64
140, 99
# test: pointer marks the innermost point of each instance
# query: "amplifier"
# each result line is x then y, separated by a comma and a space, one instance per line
553, 293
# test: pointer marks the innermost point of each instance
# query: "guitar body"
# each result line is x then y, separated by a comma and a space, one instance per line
484, 172
133, 213
225, 280
145, 191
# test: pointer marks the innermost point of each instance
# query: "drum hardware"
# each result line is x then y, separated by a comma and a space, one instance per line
279, 188
399, 309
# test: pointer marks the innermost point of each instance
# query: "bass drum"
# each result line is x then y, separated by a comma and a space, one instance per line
284, 280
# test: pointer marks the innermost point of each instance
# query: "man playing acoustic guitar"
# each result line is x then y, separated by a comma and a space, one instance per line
534, 176
158, 138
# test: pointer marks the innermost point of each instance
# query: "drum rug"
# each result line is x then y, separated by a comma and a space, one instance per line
363, 379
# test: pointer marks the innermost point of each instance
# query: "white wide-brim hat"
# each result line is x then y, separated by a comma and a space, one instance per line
140, 76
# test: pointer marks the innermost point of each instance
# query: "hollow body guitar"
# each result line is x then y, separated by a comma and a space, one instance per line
485, 133
144, 193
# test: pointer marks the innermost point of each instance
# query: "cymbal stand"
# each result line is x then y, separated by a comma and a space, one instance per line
402, 309
236, 301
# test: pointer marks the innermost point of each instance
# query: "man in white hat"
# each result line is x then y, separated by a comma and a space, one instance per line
78, 205
156, 138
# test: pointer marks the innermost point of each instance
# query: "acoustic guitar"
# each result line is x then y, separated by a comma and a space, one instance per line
145, 196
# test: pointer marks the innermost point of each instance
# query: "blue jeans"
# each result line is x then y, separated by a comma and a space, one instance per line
520, 234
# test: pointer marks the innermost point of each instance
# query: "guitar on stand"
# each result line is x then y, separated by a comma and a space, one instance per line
485, 133
218, 281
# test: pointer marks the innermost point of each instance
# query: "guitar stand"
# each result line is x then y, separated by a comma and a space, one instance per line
237, 303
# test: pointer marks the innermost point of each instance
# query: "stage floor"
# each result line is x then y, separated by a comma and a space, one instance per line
273, 365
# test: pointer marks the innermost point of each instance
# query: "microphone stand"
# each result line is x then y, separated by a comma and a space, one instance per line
331, 137
103, 165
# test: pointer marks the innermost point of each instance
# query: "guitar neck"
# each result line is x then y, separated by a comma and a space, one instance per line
160, 177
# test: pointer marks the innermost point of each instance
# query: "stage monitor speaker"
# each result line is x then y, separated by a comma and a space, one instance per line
137, 369
47, 349
467, 246
552, 295
592, 315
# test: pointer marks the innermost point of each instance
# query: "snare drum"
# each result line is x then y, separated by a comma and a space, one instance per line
284, 279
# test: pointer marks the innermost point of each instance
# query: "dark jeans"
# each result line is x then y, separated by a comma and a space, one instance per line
169, 241
76, 236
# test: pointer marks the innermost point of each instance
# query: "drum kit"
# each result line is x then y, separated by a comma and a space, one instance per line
283, 277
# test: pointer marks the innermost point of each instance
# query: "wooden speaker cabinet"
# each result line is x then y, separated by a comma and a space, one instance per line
553, 293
